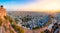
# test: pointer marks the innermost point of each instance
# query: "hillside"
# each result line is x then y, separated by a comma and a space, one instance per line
7, 24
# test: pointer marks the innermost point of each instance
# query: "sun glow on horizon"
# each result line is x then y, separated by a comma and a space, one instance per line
46, 6
32, 5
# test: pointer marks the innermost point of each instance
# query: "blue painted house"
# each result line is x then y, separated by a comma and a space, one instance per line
38, 22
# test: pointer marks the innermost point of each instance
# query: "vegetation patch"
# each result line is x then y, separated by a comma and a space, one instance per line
0, 22
25, 19
17, 28
9, 18
36, 27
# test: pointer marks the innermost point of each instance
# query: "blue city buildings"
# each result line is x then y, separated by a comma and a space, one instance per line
38, 22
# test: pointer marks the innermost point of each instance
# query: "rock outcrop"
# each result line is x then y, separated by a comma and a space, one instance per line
2, 12
6, 23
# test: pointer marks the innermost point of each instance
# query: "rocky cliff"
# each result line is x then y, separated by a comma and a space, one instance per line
7, 24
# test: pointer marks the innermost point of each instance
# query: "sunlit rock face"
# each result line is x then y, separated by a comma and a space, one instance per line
2, 12
5, 25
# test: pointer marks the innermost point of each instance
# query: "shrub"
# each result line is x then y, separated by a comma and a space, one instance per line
25, 19
16, 20
37, 27
42, 32
18, 29
9, 18
0, 22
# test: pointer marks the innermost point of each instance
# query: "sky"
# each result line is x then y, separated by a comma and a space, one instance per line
31, 5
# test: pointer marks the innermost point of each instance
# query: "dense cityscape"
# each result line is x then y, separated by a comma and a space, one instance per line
29, 16
51, 22
45, 22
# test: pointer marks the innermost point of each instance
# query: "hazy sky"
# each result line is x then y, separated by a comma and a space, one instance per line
31, 5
